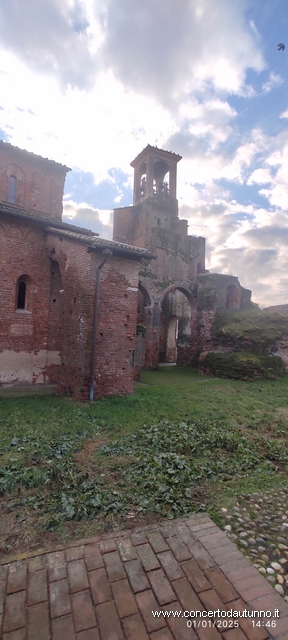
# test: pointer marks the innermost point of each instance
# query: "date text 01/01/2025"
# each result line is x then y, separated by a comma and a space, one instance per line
228, 624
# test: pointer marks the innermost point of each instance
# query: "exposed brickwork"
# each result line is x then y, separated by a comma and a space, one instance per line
39, 182
46, 335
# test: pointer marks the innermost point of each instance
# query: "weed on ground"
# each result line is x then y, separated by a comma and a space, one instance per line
181, 443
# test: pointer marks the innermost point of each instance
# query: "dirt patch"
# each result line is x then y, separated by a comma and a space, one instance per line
83, 457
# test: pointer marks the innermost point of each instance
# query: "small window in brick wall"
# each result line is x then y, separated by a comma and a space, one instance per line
21, 293
12, 189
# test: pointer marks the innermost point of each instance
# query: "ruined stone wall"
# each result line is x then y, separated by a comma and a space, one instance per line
39, 182
116, 320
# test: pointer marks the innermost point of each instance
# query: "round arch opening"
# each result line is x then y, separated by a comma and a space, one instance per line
232, 297
175, 324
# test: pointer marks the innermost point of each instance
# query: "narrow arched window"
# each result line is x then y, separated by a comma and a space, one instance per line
21, 295
12, 189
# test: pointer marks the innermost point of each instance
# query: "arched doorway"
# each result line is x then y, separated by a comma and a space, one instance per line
175, 323
232, 297
142, 355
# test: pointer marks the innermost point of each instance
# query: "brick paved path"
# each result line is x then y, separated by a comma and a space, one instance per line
107, 588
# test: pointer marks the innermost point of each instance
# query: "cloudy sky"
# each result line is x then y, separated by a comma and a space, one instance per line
90, 83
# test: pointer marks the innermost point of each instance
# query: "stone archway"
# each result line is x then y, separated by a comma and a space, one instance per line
232, 297
175, 323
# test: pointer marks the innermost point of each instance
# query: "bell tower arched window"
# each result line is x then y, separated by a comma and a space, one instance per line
12, 189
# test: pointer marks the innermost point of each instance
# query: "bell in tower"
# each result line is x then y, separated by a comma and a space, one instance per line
155, 175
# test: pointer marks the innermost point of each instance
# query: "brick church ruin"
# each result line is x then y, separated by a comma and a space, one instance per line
88, 313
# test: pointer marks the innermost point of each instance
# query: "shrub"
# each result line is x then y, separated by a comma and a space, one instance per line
243, 365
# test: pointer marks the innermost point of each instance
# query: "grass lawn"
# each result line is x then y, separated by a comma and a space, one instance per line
181, 443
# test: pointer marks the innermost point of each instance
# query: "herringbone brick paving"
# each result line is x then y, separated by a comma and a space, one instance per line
107, 588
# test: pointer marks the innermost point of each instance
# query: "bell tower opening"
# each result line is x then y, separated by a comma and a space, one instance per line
155, 175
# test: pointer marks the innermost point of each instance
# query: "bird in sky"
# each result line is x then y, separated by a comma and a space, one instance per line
280, 46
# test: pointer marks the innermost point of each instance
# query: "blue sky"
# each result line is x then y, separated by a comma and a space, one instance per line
90, 83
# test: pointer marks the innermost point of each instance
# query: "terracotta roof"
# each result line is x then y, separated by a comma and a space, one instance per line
157, 150
72, 232
101, 243
30, 153
7, 208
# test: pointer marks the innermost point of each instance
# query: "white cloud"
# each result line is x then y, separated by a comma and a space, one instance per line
275, 80
82, 214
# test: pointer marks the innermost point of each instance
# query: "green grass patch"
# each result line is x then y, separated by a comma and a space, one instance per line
181, 443
252, 328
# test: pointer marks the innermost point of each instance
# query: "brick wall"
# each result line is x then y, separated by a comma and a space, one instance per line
116, 320
23, 332
39, 182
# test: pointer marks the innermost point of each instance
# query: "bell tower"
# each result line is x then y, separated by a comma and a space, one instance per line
155, 175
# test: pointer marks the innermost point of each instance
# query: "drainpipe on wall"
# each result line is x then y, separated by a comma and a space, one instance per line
106, 253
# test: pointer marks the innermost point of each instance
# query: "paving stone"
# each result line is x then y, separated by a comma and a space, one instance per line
2, 594
281, 625
185, 533
215, 541
100, 587
162, 634
147, 557
269, 602
114, 566
202, 526
59, 598
134, 628
93, 557
168, 530
241, 572
15, 611
235, 634
89, 634
38, 622
170, 565
211, 601
233, 565
124, 598
37, 587
109, 622
178, 626
108, 545
74, 553
126, 549
195, 575
187, 596
83, 613
181, 552
257, 591
20, 634
147, 603
220, 583
136, 575
56, 566
256, 633
63, 628
77, 575
201, 555
161, 587
206, 631
17, 577
139, 538
157, 542
37, 563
